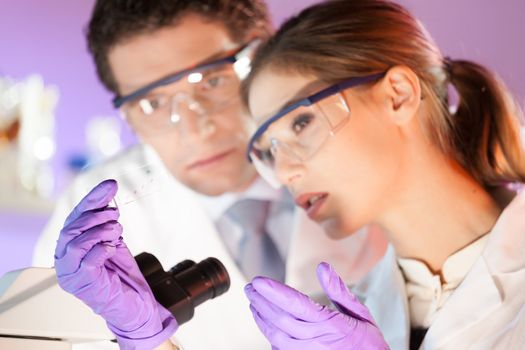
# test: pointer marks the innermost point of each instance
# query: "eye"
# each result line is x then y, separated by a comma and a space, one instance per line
151, 104
267, 155
215, 81
264, 155
301, 121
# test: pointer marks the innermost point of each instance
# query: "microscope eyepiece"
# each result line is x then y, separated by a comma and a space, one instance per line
186, 285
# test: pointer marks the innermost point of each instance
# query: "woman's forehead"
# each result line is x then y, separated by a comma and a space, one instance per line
271, 90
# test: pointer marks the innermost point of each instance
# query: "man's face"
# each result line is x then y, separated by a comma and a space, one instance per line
206, 152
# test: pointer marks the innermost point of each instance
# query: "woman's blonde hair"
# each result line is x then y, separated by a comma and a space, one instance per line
339, 39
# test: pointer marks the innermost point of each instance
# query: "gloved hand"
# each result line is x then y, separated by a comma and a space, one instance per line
93, 263
290, 320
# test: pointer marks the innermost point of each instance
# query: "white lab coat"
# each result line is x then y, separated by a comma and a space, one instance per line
486, 311
172, 225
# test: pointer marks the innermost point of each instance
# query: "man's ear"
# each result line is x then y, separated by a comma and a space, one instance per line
400, 90
263, 32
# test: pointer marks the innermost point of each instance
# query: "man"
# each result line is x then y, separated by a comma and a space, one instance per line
193, 134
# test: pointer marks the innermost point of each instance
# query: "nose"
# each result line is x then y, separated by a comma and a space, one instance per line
287, 166
190, 117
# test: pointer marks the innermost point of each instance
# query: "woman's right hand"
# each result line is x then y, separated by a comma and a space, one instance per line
291, 320
93, 263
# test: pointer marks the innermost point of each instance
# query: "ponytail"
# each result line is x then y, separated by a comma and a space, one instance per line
486, 126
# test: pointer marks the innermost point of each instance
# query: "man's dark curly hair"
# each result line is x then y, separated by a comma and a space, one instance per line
113, 21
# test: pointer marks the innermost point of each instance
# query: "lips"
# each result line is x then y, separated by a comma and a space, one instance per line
211, 160
311, 202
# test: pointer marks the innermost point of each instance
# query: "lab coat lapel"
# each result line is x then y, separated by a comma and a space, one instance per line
384, 289
309, 245
352, 257
197, 237
302, 255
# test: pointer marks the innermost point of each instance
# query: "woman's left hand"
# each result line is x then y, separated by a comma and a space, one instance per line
291, 320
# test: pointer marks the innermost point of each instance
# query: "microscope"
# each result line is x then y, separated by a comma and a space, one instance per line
35, 313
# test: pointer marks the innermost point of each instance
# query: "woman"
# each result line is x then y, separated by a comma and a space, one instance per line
351, 99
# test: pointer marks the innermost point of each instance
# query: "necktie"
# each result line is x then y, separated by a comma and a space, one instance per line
257, 254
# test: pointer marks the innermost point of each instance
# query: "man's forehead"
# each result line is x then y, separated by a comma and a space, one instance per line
154, 55
195, 39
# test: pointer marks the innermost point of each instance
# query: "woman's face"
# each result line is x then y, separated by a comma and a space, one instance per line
347, 182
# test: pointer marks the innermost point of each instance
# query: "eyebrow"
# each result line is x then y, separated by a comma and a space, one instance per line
217, 55
303, 93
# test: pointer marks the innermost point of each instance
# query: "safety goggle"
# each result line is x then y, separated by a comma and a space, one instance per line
300, 129
205, 89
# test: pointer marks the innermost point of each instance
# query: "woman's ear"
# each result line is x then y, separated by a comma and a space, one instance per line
400, 90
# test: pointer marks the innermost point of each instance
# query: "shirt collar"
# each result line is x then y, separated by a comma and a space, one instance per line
454, 269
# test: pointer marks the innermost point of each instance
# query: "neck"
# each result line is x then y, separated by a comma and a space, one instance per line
439, 210
250, 180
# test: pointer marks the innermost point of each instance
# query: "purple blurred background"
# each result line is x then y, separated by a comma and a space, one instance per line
46, 37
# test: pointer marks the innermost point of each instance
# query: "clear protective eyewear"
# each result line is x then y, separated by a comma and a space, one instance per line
203, 90
301, 128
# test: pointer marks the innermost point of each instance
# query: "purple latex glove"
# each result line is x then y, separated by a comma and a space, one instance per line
291, 320
93, 263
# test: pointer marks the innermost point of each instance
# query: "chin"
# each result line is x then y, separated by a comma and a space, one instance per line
221, 183
212, 187
336, 229
333, 229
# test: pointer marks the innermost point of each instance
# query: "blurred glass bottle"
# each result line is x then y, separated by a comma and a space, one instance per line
27, 138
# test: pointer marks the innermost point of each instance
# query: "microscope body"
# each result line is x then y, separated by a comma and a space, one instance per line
35, 313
